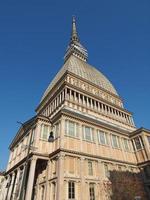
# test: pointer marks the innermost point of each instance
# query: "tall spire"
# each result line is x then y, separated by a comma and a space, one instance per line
74, 35
75, 48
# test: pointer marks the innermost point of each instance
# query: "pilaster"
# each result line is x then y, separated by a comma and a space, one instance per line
60, 177
31, 179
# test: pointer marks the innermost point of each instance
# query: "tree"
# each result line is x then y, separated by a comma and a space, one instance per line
124, 186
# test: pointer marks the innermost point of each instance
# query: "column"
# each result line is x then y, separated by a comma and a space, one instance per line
75, 99
63, 95
60, 178
128, 119
11, 187
70, 95
98, 107
66, 97
88, 102
79, 100
15, 186
5, 190
31, 179
60, 98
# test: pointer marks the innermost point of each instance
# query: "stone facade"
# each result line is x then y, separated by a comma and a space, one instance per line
93, 135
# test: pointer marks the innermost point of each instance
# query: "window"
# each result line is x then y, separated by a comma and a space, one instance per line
148, 137
72, 128
115, 141
14, 154
33, 135
147, 171
126, 144
88, 133
137, 143
57, 130
90, 168
92, 191
71, 190
45, 132
103, 138
107, 173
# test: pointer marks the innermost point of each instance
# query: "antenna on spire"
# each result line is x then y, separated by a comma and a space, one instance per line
74, 35
75, 48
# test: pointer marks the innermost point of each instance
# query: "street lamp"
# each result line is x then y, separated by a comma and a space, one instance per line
51, 137
24, 180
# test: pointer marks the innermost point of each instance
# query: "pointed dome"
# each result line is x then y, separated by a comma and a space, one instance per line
83, 70
75, 62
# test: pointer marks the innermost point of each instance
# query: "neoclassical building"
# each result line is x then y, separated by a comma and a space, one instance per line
80, 133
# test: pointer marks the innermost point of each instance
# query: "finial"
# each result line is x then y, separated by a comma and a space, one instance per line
75, 48
74, 35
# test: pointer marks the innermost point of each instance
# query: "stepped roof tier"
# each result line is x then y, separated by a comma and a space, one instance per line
76, 63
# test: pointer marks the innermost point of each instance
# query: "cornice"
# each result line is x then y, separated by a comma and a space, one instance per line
25, 129
139, 131
22, 162
77, 153
52, 90
143, 164
30, 123
90, 121
97, 122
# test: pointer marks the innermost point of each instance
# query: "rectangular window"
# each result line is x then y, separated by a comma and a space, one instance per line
71, 190
92, 191
71, 128
137, 143
107, 173
148, 137
57, 130
33, 135
126, 144
115, 141
88, 133
103, 138
90, 168
45, 131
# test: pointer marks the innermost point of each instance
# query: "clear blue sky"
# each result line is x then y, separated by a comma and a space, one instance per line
33, 39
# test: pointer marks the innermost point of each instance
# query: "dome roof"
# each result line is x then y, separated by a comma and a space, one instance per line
84, 70
76, 62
